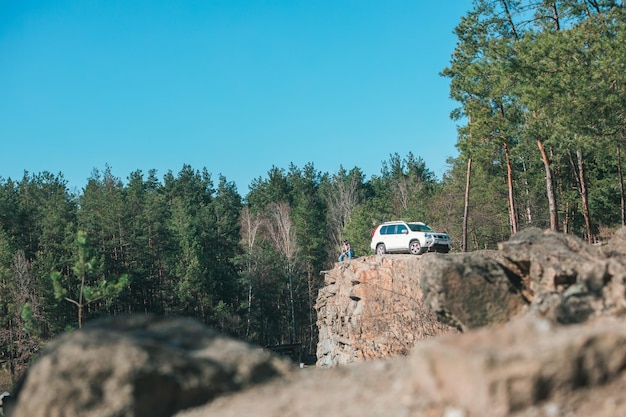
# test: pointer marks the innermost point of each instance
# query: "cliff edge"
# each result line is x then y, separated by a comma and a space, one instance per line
373, 307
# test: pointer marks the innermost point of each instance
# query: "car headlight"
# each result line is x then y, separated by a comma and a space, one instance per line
427, 235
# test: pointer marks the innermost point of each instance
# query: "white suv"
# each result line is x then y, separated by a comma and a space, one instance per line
408, 237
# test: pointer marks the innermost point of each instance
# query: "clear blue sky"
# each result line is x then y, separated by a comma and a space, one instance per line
233, 86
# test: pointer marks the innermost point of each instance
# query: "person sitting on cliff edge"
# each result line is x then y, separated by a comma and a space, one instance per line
346, 250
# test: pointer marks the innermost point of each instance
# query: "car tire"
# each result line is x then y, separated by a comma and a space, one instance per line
415, 247
380, 249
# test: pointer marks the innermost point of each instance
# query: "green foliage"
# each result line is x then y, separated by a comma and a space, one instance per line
533, 73
90, 289
359, 231
30, 325
57, 281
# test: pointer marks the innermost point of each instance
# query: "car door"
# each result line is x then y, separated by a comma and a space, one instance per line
396, 236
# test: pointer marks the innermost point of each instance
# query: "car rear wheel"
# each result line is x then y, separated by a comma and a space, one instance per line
415, 247
380, 249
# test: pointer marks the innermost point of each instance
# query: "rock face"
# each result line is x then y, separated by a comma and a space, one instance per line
472, 290
535, 329
373, 307
567, 279
381, 306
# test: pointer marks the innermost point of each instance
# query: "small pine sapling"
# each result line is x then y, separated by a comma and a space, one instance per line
89, 290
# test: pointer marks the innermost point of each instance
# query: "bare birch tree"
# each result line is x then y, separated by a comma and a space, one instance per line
342, 197
283, 235
250, 227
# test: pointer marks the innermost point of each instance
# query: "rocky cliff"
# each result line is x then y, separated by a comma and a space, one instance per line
373, 307
535, 329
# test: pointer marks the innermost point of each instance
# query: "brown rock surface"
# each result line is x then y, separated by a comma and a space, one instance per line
529, 362
471, 290
551, 261
373, 307
527, 368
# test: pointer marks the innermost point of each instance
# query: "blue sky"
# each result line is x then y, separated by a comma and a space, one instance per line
233, 86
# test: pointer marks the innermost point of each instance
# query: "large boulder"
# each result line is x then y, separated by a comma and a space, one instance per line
139, 366
557, 276
471, 290
525, 364
570, 281
551, 261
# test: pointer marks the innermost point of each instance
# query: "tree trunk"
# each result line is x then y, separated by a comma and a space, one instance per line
312, 317
509, 174
554, 218
80, 316
249, 315
529, 217
621, 184
466, 208
566, 220
583, 195
292, 305
250, 225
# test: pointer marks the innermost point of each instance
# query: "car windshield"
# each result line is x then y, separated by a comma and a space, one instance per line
416, 227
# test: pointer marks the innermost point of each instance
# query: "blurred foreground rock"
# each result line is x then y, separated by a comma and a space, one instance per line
140, 366
526, 368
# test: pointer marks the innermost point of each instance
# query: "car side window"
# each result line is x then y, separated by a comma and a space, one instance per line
401, 229
390, 229
384, 230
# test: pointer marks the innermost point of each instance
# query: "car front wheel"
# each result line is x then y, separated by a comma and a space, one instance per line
380, 249
415, 247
